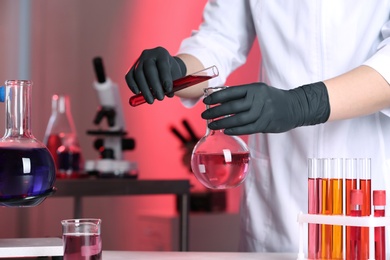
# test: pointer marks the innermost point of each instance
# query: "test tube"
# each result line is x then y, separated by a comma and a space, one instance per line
364, 175
337, 206
379, 203
326, 209
354, 240
181, 83
314, 177
350, 184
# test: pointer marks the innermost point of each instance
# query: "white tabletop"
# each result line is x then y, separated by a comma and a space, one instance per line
22, 247
29, 247
121, 255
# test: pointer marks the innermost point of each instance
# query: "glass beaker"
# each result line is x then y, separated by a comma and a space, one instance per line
27, 170
61, 139
82, 238
220, 161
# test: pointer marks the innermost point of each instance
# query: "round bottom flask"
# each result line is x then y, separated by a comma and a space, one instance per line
220, 161
27, 170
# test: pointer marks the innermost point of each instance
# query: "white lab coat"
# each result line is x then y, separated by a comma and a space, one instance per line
301, 42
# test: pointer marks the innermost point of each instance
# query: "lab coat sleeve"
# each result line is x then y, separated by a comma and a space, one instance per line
224, 39
380, 61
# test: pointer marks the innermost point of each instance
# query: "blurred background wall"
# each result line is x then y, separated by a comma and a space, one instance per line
53, 43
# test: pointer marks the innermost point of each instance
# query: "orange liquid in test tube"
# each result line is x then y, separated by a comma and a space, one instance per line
337, 209
337, 206
326, 209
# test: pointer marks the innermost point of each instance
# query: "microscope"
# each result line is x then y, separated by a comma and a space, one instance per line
111, 140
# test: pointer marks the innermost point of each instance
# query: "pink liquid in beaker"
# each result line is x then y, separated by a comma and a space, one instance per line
82, 247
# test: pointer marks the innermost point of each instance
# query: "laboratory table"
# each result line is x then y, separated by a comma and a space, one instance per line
86, 187
52, 248
122, 255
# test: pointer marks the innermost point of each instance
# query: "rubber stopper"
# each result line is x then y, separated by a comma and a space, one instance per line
356, 197
379, 198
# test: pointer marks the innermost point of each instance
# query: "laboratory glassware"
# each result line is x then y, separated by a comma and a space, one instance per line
61, 139
337, 176
82, 239
364, 176
220, 161
314, 177
350, 184
27, 169
182, 83
354, 241
326, 209
379, 203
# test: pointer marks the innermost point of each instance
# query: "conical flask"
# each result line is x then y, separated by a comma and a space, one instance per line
220, 161
27, 170
61, 139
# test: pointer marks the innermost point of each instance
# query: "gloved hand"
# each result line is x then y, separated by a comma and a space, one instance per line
258, 108
153, 74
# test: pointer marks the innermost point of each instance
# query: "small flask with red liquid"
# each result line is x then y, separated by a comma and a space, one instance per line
220, 161
379, 202
61, 139
27, 170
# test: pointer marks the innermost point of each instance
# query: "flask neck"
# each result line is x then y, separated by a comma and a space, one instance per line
61, 119
212, 132
60, 104
18, 108
206, 93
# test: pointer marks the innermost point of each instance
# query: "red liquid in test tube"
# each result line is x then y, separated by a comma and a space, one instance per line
379, 202
181, 83
354, 242
314, 177
350, 184
364, 176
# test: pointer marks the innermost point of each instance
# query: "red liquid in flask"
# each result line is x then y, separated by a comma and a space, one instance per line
66, 159
82, 247
219, 172
178, 84
53, 142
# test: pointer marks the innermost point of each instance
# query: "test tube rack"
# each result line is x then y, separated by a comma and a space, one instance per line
365, 221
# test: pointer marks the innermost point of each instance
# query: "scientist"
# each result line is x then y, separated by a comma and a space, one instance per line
323, 92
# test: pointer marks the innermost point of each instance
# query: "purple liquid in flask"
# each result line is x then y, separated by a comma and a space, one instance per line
27, 169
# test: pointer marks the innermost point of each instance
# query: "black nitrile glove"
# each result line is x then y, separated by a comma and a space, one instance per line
153, 74
258, 108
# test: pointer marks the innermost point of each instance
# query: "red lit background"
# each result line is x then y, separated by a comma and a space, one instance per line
63, 38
